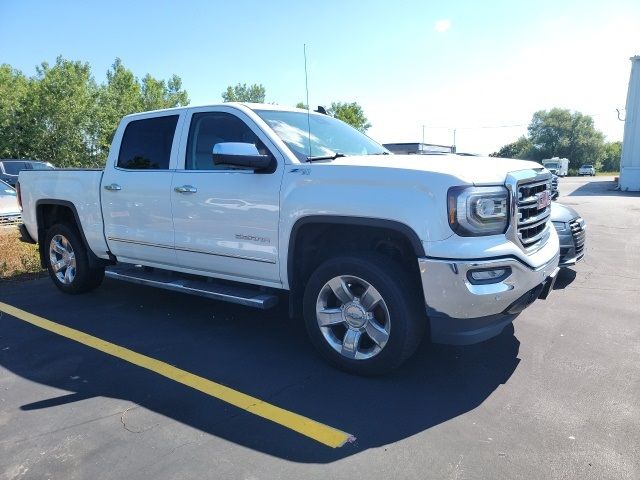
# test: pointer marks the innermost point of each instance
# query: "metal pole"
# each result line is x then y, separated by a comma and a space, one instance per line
454, 140
422, 133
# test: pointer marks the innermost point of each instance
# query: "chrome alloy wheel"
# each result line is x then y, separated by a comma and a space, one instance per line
62, 259
353, 317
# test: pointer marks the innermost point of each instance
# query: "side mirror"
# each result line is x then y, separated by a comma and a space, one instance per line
240, 155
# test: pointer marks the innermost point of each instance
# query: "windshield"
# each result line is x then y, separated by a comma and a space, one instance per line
40, 166
13, 168
329, 136
551, 165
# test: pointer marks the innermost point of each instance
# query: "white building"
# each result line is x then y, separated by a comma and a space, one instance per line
630, 161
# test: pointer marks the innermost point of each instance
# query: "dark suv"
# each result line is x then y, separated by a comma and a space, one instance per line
571, 233
9, 168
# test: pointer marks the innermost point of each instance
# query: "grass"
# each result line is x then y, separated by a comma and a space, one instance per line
607, 174
18, 260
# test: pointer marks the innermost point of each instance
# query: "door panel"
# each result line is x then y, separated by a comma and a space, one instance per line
229, 225
136, 192
137, 218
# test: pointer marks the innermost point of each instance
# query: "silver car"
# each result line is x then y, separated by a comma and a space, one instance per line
587, 170
571, 230
9, 209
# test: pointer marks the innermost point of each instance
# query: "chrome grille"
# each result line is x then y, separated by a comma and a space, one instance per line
6, 220
532, 223
554, 186
579, 235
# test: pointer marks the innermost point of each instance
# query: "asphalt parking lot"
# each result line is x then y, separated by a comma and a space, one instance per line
555, 396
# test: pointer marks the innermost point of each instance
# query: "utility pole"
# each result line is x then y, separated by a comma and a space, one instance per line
422, 133
454, 140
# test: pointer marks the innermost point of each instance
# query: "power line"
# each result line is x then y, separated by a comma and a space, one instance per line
482, 127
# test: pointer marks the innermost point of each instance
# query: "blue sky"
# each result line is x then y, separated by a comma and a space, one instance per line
440, 64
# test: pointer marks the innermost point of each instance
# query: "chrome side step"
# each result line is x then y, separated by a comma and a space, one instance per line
168, 280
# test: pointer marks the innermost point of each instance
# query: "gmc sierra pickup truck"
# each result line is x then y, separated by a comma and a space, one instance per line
240, 202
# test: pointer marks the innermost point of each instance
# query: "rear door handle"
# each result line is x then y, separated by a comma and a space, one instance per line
186, 189
114, 187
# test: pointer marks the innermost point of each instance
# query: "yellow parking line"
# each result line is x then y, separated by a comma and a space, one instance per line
322, 433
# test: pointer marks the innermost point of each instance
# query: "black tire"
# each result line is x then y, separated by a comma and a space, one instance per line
403, 299
85, 278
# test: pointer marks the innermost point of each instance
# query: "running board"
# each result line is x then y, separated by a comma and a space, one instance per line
168, 280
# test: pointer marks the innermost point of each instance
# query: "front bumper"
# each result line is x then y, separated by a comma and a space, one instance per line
462, 313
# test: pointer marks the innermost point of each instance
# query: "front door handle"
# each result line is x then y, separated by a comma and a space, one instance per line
114, 187
186, 189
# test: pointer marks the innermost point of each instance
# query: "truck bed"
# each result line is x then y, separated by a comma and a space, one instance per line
79, 188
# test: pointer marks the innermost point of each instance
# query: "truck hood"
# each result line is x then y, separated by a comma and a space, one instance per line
469, 169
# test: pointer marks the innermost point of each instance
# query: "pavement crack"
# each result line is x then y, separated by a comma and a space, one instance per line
124, 423
24, 439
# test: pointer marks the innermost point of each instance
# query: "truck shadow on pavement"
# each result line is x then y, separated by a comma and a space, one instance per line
599, 188
263, 354
566, 276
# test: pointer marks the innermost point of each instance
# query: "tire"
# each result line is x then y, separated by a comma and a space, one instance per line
365, 334
68, 261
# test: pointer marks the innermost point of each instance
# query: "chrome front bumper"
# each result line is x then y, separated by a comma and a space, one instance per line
463, 313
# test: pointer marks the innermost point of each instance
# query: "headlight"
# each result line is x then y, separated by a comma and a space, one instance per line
560, 226
478, 211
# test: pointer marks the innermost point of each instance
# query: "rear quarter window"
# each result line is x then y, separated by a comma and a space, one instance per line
146, 144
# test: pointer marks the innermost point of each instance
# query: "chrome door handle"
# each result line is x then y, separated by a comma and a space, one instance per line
114, 187
186, 189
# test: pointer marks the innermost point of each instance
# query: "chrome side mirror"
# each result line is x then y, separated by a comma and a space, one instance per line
239, 154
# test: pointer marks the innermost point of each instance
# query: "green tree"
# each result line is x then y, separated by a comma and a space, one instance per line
124, 94
521, 148
158, 94
350, 113
565, 134
242, 93
62, 116
559, 133
14, 122
611, 157
63, 104
119, 96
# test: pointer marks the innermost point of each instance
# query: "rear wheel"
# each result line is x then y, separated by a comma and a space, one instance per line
68, 262
363, 313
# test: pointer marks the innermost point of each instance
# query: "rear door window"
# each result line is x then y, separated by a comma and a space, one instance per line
146, 144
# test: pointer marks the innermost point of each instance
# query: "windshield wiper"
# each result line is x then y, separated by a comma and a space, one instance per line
379, 153
326, 157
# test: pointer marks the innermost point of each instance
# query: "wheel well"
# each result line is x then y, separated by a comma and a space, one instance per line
48, 215
315, 242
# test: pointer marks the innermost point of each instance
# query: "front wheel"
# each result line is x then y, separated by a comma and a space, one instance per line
68, 262
364, 313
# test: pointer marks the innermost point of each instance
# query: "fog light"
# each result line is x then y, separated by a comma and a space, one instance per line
488, 275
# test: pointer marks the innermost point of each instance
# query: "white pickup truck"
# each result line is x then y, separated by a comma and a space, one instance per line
241, 202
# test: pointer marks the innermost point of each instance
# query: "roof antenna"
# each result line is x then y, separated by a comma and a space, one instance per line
306, 84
